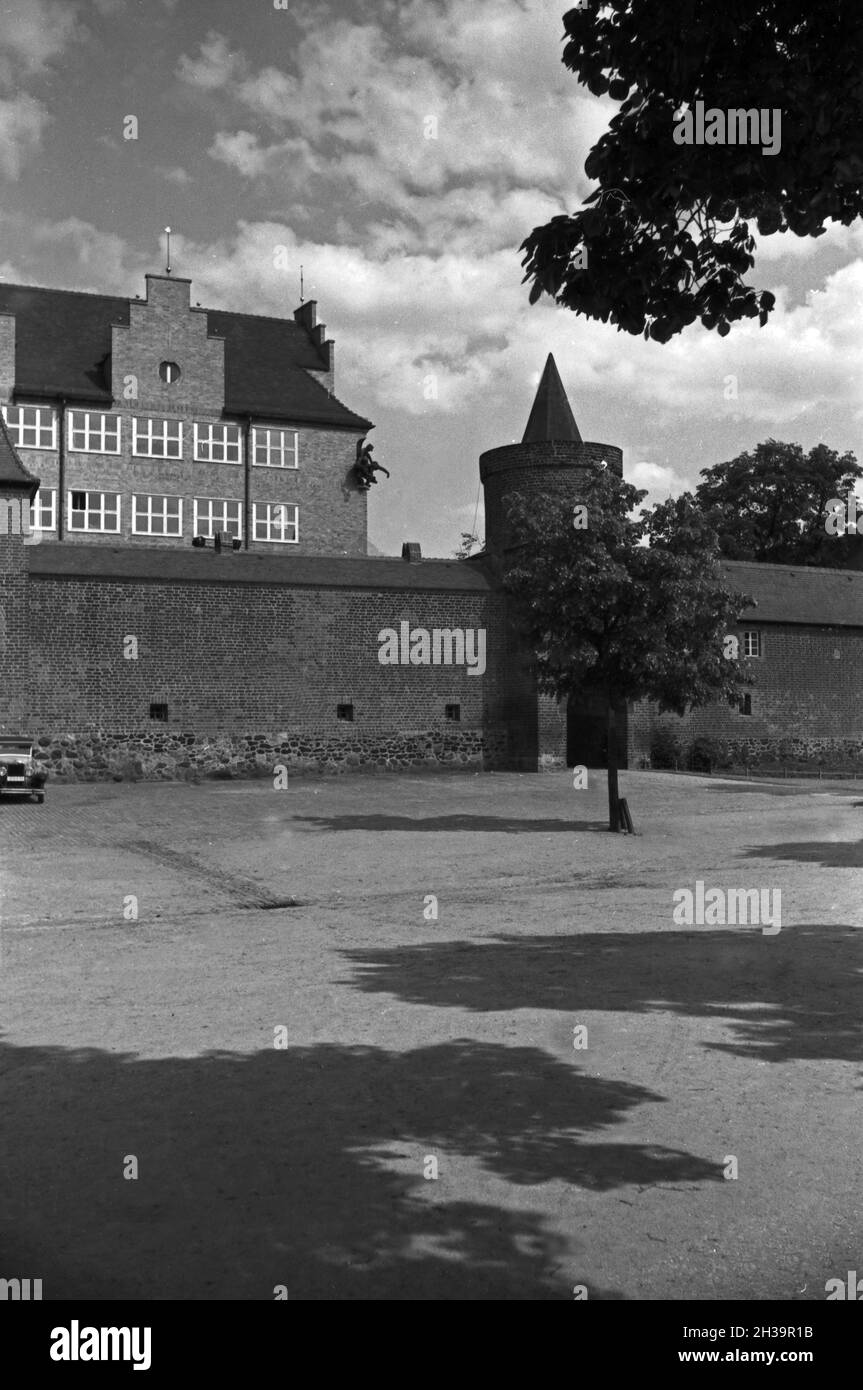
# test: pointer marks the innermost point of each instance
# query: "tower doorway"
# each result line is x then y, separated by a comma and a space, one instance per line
587, 734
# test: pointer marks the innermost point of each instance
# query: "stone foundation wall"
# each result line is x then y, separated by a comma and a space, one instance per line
102, 756
833, 754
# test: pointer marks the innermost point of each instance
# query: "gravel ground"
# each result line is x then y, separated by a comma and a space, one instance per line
419, 1045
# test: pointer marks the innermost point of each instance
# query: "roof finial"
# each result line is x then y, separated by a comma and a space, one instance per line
301, 284
168, 255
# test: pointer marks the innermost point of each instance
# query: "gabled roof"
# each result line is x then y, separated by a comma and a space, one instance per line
798, 593
12, 470
551, 417
63, 342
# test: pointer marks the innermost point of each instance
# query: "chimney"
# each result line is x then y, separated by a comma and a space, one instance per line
411, 552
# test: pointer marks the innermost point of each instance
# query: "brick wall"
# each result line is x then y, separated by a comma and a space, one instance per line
253, 667
7, 355
551, 730
164, 327
14, 635
805, 703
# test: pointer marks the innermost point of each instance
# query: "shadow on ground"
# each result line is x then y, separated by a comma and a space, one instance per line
509, 825
830, 854
304, 1167
812, 787
798, 994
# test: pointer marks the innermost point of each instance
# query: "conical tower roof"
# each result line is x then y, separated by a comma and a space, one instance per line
551, 417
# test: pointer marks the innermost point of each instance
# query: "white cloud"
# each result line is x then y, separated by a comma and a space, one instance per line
174, 174
784, 245
22, 121
216, 67
658, 481
450, 149
35, 31
91, 259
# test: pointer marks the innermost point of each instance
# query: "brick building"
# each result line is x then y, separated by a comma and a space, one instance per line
153, 421
124, 650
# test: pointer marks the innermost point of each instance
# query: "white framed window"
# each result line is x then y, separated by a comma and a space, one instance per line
218, 444
276, 521
275, 448
43, 510
214, 514
752, 643
156, 515
94, 511
90, 432
157, 439
31, 426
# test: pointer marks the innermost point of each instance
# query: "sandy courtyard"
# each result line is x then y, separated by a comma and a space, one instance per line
418, 1045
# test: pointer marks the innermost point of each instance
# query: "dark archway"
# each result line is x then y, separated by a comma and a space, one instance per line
587, 735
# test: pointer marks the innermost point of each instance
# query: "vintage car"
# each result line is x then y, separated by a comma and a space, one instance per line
19, 771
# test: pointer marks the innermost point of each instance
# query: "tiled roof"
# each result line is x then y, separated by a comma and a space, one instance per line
784, 593
61, 340
63, 337
12, 469
551, 418
164, 564
799, 593
265, 371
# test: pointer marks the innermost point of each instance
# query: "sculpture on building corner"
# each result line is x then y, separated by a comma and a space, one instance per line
365, 466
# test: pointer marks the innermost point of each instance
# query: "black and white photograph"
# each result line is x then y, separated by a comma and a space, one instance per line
431, 667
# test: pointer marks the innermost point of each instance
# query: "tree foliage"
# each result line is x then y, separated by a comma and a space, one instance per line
770, 504
669, 233
470, 543
609, 616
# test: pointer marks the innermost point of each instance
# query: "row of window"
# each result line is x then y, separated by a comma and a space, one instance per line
90, 432
163, 515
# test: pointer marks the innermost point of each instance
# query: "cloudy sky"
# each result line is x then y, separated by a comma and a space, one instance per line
400, 151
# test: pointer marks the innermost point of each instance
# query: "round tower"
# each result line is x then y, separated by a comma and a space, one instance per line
551, 458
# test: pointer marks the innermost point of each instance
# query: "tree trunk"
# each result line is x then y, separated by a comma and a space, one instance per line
613, 794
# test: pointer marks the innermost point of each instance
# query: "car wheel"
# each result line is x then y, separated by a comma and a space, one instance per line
40, 797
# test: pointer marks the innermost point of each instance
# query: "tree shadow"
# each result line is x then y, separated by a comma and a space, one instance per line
761, 788
793, 995
304, 1167
830, 854
507, 825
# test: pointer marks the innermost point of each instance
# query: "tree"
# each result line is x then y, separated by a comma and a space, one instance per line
469, 542
668, 235
609, 616
770, 504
